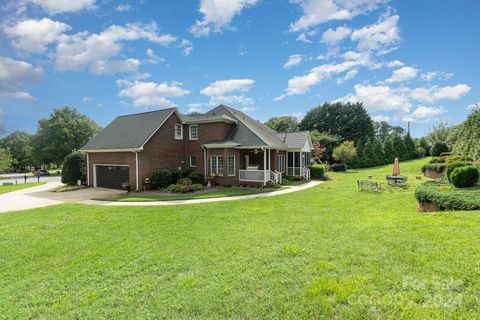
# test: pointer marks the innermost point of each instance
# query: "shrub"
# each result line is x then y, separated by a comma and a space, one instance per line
464, 177
162, 178
339, 167
197, 177
450, 159
444, 154
273, 185
345, 152
438, 148
184, 181
420, 152
184, 188
437, 167
454, 165
437, 160
74, 168
317, 171
437, 192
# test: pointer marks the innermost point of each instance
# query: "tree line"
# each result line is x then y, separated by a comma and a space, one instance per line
64, 131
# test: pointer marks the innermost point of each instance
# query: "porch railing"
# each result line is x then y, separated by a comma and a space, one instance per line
254, 175
260, 176
299, 171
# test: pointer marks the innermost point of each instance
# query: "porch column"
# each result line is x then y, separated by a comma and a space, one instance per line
269, 160
264, 165
286, 163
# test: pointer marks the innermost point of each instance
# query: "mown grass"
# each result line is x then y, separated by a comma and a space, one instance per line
326, 252
223, 192
15, 187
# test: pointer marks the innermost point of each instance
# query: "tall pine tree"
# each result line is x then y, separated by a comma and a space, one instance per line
409, 147
378, 148
399, 147
371, 159
389, 150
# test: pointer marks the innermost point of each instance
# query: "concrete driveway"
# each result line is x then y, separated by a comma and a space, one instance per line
42, 196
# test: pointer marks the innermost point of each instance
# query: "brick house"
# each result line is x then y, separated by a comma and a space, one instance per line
226, 145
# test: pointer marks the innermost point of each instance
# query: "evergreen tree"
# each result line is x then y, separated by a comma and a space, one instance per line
378, 148
370, 159
399, 147
389, 150
410, 149
359, 160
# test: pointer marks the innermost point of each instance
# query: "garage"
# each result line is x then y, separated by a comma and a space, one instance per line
111, 177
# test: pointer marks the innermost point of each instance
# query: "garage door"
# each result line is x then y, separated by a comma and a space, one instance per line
112, 177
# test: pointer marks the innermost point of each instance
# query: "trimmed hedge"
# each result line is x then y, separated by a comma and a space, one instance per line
74, 168
438, 148
444, 198
464, 177
454, 165
437, 160
163, 178
436, 167
317, 171
339, 167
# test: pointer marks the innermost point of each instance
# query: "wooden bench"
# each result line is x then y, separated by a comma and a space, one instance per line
369, 185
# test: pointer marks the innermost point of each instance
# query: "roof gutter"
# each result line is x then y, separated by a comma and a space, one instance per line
112, 150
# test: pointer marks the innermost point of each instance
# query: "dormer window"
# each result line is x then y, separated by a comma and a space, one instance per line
193, 129
178, 132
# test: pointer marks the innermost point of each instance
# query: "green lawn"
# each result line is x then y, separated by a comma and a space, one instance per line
224, 192
326, 252
15, 187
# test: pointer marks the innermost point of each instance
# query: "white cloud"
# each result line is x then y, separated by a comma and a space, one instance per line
403, 74
400, 100
63, 6
302, 84
186, 46
82, 50
13, 74
316, 12
218, 14
114, 66
293, 60
153, 58
430, 75
223, 92
151, 94
123, 7
380, 98
380, 118
394, 64
423, 114
381, 36
348, 76
195, 107
435, 93
333, 37
33, 36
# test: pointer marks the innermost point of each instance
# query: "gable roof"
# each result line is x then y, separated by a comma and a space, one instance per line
294, 140
129, 132
248, 132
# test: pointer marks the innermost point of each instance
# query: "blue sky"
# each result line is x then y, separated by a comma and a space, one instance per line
405, 60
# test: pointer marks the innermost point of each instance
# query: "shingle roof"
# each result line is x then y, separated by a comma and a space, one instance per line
293, 140
199, 118
130, 131
249, 132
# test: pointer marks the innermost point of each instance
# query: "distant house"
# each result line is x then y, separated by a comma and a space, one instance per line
224, 144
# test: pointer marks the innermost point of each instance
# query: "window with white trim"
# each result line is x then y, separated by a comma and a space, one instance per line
231, 166
193, 132
178, 132
193, 161
216, 165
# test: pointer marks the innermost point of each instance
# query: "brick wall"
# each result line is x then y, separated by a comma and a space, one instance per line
115, 158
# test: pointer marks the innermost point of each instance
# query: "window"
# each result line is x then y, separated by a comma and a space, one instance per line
231, 166
193, 132
178, 132
281, 163
217, 165
193, 161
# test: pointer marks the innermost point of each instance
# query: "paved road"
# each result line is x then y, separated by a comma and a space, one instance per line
19, 179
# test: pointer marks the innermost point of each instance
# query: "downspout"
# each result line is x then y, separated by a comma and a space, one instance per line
264, 166
88, 171
136, 171
204, 162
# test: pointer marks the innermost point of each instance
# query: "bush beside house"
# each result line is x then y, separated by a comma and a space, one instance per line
74, 168
317, 171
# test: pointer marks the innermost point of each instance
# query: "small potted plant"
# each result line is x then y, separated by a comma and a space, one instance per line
126, 186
